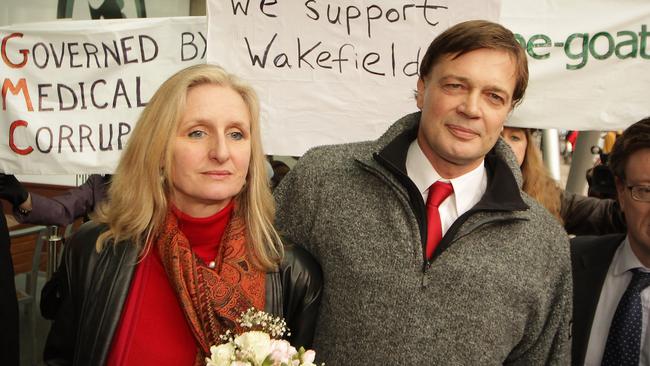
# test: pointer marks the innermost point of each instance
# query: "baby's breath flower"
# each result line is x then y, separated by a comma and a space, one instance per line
276, 327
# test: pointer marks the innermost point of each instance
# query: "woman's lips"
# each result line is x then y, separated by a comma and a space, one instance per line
217, 174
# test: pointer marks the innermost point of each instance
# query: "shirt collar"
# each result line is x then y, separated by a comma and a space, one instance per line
473, 183
625, 259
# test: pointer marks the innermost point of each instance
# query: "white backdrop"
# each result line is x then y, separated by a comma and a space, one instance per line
322, 77
330, 77
589, 62
73, 91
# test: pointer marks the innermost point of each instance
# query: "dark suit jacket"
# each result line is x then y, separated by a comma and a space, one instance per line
590, 259
8, 302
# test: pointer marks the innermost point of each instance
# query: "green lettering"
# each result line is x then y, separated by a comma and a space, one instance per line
610, 45
582, 55
632, 43
643, 35
532, 44
519, 38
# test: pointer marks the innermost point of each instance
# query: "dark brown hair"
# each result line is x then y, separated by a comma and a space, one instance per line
633, 139
473, 35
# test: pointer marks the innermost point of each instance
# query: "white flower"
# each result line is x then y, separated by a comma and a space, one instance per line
282, 351
240, 363
308, 357
254, 344
221, 355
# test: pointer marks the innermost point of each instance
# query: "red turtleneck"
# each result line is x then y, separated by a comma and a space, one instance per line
153, 329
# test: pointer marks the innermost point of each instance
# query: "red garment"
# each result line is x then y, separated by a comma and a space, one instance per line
212, 297
153, 329
438, 192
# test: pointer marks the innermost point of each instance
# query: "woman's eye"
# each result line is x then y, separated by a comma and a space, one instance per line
196, 134
515, 138
236, 135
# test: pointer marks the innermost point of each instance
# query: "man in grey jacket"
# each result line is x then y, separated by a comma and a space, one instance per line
482, 278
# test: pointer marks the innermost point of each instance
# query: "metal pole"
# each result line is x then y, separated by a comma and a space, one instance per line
582, 160
54, 239
551, 152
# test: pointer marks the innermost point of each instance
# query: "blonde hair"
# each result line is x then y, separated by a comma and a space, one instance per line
537, 181
137, 201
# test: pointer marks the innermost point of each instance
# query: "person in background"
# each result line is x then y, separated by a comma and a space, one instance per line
32, 208
9, 335
280, 169
580, 215
184, 242
611, 273
62, 210
431, 254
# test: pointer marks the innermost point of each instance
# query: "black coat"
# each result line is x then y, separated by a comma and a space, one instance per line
590, 260
8, 304
94, 286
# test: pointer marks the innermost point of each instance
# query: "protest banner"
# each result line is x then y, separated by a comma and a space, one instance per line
73, 90
588, 61
333, 72
330, 71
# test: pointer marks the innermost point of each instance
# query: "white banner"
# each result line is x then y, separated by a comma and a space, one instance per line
589, 62
330, 71
72, 90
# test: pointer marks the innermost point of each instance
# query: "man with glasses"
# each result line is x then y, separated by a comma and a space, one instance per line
612, 273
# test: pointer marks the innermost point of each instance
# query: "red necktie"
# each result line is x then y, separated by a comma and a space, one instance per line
438, 192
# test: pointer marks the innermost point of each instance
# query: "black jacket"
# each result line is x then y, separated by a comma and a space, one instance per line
9, 350
94, 286
590, 259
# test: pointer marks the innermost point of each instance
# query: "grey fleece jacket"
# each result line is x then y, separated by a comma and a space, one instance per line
499, 294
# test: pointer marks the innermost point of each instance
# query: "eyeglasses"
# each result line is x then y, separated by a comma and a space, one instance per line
640, 193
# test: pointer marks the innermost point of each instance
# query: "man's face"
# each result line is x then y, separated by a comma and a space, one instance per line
464, 103
637, 213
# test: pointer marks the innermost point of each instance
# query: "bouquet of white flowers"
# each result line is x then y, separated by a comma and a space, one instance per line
260, 346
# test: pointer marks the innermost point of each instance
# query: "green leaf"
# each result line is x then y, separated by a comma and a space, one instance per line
267, 361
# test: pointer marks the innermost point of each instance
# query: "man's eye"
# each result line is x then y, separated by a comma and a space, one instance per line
496, 98
196, 134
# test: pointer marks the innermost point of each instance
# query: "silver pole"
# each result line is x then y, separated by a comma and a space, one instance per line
54, 239
551, 152
582, 160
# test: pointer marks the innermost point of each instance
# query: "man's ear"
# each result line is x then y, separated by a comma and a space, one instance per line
419, 97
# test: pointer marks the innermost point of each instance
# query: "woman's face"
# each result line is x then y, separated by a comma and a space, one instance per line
516, 138
212, 150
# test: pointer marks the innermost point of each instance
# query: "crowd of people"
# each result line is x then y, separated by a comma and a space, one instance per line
443, 242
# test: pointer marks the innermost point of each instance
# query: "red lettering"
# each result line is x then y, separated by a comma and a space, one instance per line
14, 89
12, 144
4, 52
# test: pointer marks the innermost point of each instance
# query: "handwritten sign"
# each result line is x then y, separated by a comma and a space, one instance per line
72, 91
330, 71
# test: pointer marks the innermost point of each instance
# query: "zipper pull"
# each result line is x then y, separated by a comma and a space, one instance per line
425, 269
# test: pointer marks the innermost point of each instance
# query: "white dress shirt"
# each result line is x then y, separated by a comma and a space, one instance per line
616, 282
468, 188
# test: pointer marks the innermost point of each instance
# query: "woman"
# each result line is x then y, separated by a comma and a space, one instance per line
580, 215
184, 243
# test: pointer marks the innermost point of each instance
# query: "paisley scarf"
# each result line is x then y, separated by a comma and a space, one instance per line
211, 298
